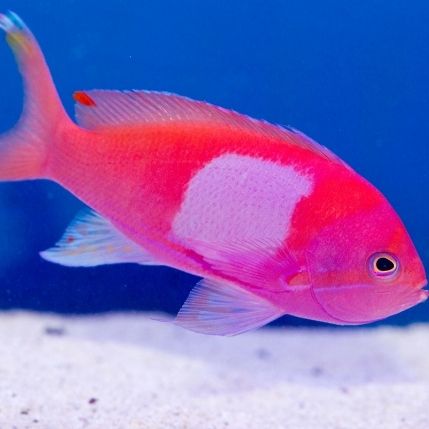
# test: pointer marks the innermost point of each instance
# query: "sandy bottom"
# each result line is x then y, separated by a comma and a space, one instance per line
125, 371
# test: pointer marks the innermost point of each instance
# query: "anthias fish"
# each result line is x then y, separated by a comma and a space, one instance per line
273, 222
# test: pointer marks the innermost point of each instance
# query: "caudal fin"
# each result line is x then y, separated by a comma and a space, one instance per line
24, 149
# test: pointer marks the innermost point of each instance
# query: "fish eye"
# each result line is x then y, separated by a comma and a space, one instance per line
383, 265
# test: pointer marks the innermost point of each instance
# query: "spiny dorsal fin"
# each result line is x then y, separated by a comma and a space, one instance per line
98, 109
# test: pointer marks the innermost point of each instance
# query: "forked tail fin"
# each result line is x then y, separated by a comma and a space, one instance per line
24, 149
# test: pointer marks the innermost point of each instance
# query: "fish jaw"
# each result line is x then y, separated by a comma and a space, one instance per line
362, 304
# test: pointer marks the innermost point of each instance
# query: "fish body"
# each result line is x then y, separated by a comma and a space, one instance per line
273, 222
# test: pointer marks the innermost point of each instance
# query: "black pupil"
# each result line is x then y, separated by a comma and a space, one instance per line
384, 264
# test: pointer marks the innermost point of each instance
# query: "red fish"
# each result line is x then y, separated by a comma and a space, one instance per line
273, 222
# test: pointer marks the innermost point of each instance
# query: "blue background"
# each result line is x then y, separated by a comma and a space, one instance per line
351, 74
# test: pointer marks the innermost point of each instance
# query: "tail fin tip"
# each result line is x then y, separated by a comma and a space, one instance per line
23, 150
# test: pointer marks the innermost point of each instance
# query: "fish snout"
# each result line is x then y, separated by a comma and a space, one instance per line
424, 293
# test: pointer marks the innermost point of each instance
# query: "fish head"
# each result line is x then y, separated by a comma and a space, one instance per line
363, 266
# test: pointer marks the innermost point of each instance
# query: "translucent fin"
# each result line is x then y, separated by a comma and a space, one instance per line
91, 240
24, 149
218, 308
100, 109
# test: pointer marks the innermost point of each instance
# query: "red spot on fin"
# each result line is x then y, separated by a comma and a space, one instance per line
83, 98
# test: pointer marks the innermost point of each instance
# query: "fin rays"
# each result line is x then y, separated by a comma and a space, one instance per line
220, 308
108, 108
91, 240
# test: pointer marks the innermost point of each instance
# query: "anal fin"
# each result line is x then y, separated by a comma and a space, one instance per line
91, 240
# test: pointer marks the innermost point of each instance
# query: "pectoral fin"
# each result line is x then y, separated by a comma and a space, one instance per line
220, 308
257, 263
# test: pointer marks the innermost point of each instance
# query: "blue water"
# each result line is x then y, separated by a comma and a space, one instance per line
351, 74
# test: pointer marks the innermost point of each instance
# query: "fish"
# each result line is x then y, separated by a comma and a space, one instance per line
272, 222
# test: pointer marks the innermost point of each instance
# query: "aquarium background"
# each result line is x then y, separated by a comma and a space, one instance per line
353, 75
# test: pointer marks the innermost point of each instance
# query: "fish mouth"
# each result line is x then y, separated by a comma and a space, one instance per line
422, 284
424, 293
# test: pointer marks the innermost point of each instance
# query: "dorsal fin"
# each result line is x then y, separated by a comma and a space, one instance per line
98, 109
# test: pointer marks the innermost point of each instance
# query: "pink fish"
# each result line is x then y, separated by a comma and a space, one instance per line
273, 222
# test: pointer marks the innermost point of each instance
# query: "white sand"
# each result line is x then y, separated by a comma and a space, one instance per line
124, 371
